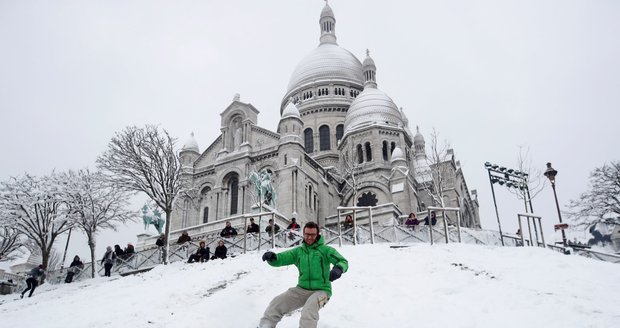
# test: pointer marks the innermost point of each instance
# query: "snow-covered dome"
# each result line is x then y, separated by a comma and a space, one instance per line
372, 106
419, 138
191, 144
327, 62
397, 154
290, 111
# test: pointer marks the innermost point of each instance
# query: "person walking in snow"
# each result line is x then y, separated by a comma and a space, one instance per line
108, 260
37, 275
314, 286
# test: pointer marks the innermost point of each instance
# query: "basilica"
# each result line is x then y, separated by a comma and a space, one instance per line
341, 142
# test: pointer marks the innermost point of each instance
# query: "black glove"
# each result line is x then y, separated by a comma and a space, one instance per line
269, 256
335, 273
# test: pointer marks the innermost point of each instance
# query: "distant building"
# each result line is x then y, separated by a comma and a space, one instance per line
340, 141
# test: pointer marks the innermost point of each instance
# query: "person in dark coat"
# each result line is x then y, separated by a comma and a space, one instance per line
220, 251
252, 227
201, 255
433, 219
294, 226
161, 241
412, 221
129, 250
272, 228
74, 268
36, 277
183, 238
108, 260
228, 231
348, 222
120, 253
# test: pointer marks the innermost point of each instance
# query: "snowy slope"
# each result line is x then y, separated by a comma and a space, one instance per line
454, 285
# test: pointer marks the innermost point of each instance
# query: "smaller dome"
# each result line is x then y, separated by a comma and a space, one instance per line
191, 144
327, 11
368, 61
397, 154
419, 138
372, 106
290, 111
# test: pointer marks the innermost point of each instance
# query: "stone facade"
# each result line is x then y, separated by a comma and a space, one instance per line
340, 142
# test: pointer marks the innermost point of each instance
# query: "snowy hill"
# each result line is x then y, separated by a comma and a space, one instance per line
454, 285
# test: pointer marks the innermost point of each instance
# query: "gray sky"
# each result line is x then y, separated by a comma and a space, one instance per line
490, 76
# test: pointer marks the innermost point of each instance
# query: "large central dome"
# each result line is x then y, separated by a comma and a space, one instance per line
327, 62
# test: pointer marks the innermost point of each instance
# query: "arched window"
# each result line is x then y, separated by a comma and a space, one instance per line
324, 137
393, 146
360, 154
339, 131
385, 150
308, 140
233, 187
310, 196
205, 215
367, 199
205, 212
368, 152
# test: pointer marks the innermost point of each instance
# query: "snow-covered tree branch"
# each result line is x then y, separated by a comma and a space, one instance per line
144, 160
35, 208
10, 243
601, 203
95, 205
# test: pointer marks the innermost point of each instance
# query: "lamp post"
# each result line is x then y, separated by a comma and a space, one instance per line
550, 173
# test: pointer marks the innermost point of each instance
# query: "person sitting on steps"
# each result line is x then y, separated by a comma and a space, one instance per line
201, 255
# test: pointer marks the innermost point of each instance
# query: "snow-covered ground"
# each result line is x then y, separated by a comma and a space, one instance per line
456, 285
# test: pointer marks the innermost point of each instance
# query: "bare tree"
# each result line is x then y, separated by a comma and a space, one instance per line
438, 175
601, 203
95, 205
35, 209
348, 172
532, 177
10, 243
144, 160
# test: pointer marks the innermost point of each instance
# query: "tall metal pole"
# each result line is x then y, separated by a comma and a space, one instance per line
499, 225
557, 205
529, 199
64, 256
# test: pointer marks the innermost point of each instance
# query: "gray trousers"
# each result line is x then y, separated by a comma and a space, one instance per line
291, 300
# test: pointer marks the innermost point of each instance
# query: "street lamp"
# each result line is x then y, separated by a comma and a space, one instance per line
550, 173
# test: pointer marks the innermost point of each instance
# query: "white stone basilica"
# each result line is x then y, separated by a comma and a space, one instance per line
341, 141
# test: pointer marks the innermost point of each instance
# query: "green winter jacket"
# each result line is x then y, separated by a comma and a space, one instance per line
313, 261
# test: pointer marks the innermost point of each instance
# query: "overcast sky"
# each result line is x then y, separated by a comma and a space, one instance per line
490, 76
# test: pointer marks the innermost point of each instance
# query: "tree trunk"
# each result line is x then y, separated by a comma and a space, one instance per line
167, 232
93, 261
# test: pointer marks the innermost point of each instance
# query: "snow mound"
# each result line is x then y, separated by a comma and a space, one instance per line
455, 285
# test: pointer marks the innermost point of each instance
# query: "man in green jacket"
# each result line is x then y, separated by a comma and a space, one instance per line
314, 288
